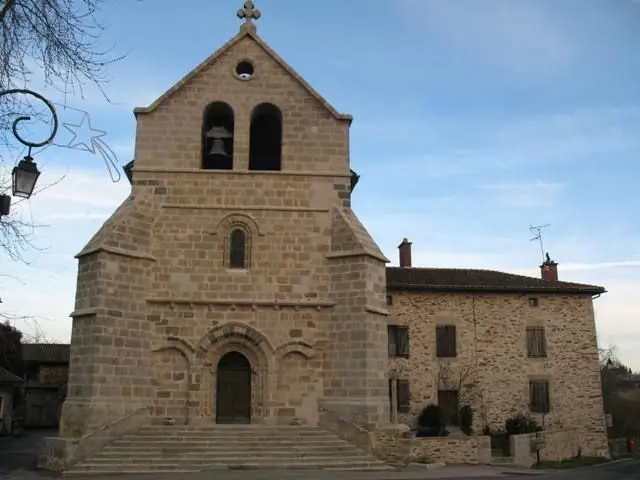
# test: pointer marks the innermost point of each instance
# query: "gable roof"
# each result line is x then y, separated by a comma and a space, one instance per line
8, 378
46, 352
244, 32
462, 279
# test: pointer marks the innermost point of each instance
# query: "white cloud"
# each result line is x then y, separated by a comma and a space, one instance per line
527, 195
519, 37
548, 141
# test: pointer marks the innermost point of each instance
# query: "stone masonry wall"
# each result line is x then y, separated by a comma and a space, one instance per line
313, 141
492, 371
277, 311
391, 445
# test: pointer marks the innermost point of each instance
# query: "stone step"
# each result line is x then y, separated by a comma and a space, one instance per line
202, 462
501, 460
248, 429
137, 443
231, 434
96, 468
226, 449
171, 449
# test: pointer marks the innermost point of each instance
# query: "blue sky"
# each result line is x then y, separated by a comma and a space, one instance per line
473, 120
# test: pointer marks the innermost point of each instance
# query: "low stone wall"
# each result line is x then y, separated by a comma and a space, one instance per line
555, 445
59, 453
349, 431
391, 446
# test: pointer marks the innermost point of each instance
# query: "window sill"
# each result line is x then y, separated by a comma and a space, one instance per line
237, 270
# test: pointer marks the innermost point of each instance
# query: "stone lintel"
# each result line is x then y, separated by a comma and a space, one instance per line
376, 310
355, 253
255, 208
243, 302
279, 173
116, 251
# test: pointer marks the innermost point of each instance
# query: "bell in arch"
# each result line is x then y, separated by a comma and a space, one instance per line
218, 134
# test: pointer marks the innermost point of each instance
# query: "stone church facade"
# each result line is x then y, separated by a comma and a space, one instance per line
236, 285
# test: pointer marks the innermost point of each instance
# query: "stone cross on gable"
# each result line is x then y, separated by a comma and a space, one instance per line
249, 12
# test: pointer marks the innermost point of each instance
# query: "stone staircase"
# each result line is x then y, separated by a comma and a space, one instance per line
184, 449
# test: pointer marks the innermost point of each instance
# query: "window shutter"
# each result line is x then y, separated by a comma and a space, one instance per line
446, 341
404, 396
536, 342
403, 341
392, 340
539, 396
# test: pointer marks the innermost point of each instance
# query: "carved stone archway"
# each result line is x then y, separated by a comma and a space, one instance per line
252, 344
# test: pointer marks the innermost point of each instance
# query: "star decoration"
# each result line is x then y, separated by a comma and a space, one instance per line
84, 135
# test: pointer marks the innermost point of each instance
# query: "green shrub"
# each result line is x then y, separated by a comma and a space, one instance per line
430, 417
521, 424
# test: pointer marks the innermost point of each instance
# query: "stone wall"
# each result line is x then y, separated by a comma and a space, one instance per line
392, 445
491, 370
156, 280
58, 453
555, 446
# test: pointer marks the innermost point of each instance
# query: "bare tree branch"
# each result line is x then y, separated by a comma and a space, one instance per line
60, 40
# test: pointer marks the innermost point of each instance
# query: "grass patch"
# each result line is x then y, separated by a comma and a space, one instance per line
574, 462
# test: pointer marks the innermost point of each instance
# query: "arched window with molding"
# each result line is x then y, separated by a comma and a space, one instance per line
238, 248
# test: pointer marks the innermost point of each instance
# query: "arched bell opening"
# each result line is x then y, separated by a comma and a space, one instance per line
265, 138
217, 137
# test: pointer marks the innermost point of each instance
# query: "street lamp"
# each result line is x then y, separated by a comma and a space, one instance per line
24, 176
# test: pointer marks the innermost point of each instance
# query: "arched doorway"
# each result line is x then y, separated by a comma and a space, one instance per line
233, 389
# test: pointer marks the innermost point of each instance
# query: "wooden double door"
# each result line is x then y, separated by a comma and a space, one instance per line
233, 389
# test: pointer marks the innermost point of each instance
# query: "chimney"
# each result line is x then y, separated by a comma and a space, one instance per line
405, 253
549, 270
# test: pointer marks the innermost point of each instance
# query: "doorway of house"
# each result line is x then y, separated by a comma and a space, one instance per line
233, 389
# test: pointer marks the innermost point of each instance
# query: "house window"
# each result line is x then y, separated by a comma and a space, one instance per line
536, 342
389, 300
534, 302
539, 401
403, 395
449, 403
446, 341
237, 248
398, 341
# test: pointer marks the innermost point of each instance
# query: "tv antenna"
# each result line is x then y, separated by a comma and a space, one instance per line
536, 230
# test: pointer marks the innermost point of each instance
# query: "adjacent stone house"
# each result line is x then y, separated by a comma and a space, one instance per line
46, 371
504, 344
236, 285
9, 383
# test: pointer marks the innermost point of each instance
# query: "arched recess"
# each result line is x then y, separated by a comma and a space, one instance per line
244, 219
265, 138
301, 348
252, 344
171, 381
238, 331
217, 136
